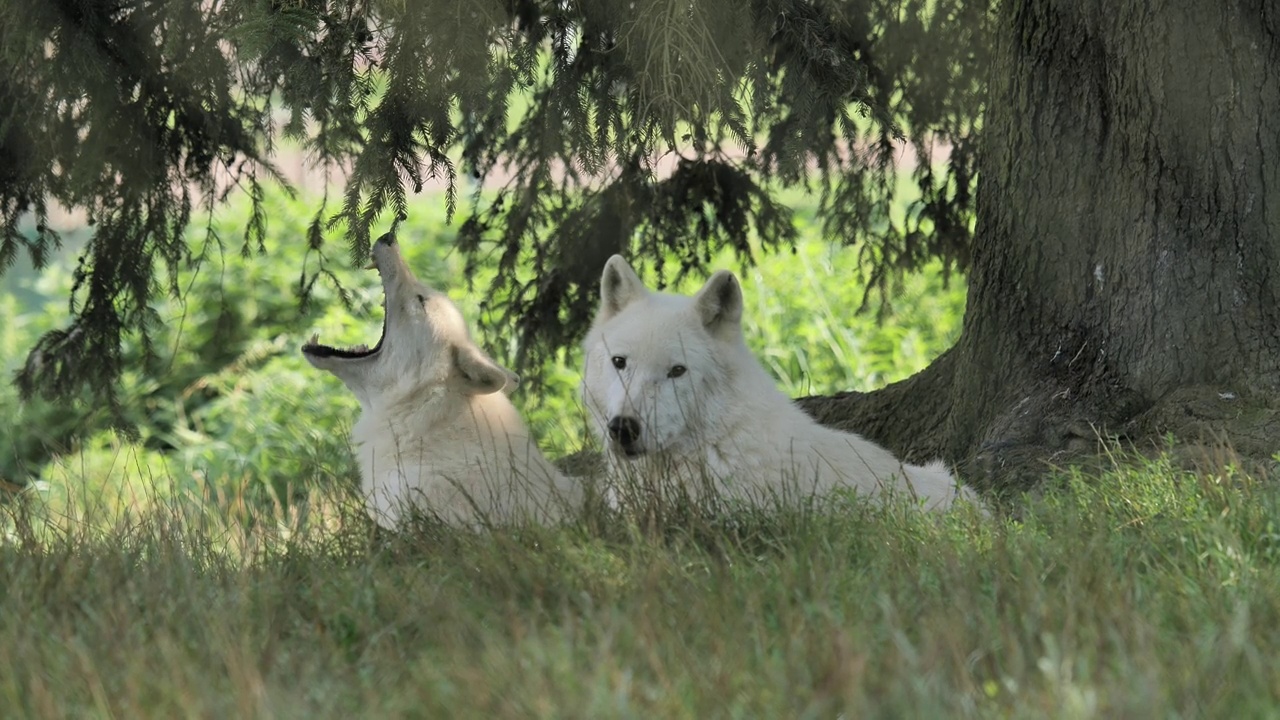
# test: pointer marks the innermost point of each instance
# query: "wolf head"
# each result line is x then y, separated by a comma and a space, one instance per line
657, 365
425, 343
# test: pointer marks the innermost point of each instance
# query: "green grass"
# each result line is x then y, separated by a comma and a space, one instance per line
173, 575
1146, 593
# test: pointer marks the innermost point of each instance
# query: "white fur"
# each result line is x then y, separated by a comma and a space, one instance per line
723, 419
436, 428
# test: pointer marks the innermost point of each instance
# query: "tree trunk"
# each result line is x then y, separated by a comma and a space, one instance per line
1126, 269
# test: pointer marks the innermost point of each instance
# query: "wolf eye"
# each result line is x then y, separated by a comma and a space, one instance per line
619, 362
422, 299
676, 371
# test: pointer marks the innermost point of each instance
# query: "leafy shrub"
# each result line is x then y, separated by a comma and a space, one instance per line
228, 402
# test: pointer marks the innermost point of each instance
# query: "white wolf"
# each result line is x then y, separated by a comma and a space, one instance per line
436, 428
675, 391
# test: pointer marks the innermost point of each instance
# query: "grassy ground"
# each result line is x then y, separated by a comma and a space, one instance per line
1146, 593
129, 588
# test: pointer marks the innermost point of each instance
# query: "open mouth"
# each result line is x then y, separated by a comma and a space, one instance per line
356, 352
314, 348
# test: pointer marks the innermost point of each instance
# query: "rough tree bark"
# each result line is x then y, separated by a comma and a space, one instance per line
1126, 269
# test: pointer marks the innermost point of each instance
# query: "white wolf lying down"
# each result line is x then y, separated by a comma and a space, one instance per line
436, 429
674, 391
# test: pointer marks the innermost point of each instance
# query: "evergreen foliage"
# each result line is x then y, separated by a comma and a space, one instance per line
618, 125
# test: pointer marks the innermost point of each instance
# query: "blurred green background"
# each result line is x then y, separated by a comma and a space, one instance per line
232, 415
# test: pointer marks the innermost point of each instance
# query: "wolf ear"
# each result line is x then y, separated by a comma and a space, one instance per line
719, 302
479, 374
619, 287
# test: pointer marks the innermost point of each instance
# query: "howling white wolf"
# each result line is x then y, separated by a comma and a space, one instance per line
675, 392
436, 428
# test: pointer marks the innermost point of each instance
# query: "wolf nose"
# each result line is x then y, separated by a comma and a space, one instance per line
625, 430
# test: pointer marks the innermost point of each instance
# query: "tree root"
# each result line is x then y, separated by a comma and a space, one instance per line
908, 417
